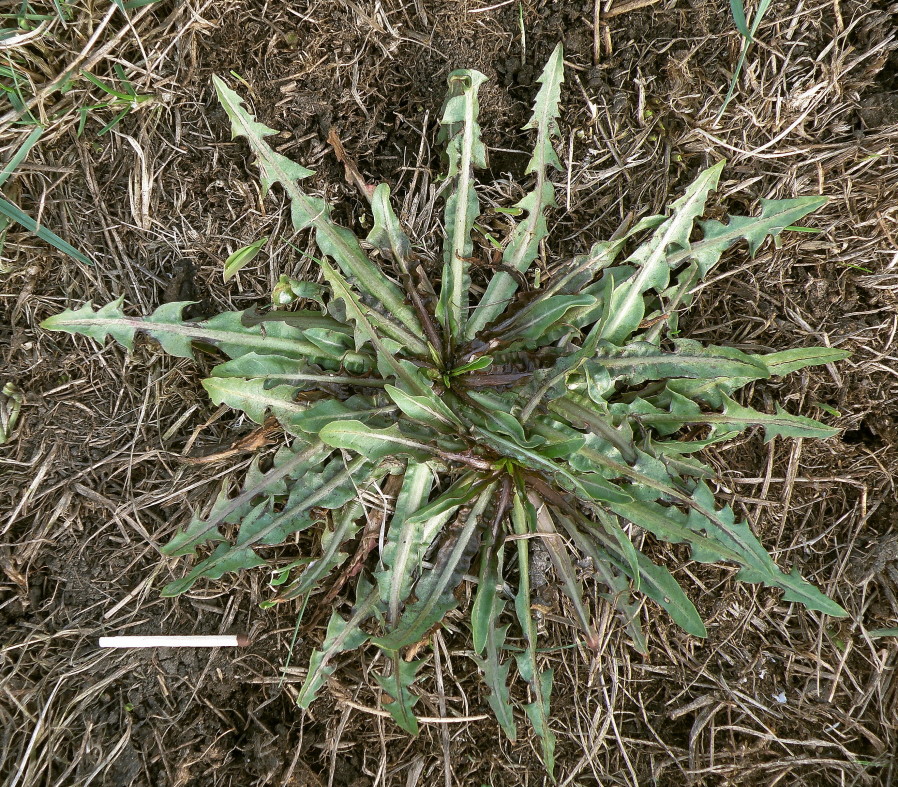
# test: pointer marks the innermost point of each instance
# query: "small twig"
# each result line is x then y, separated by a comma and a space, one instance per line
367, 542
596, 32
626, 8
351, 171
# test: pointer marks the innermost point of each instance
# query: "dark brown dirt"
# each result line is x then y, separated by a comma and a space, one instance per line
94, 479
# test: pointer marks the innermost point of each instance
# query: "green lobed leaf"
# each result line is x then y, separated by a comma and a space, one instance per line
734, 419
524, 520
625, 308
373, 444
435, 589
289, 463
342, 635
427, 409
523, 245
397, 685
703, 255
332, 487
253, 398
334, 241
640, 361
225, 331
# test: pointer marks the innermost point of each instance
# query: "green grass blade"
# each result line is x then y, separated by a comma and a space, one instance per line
19, 156
748, 37
241, 258
16, 214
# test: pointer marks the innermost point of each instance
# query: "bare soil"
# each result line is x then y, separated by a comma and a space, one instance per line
114, 450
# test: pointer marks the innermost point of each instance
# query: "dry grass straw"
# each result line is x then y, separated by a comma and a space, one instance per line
94, 479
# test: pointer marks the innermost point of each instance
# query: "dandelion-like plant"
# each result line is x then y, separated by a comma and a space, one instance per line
571, 412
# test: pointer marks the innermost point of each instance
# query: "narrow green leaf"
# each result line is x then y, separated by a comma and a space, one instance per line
564, 568
15, 213
464, 151
387, 233
21, 154
523, 518
435, 589
738, 11
788, 361
278, 368
876, 633
369, 324
242, 257
607, 571
331, 557
546, 314
484, 362
487, 604
373, 444
495, 675
407, 540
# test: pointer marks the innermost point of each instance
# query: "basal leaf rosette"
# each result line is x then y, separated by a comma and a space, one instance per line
480, 423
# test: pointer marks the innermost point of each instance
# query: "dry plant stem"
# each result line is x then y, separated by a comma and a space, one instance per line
626, 8
188, 641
